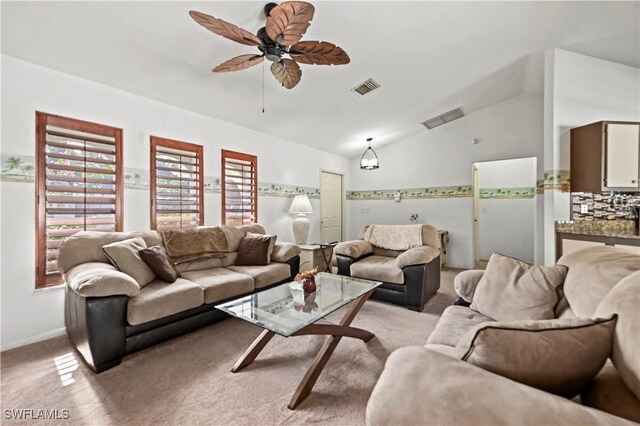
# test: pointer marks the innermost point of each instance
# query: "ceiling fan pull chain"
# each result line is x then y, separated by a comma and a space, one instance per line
263, 71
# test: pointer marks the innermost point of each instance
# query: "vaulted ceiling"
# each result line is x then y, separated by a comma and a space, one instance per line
429, 57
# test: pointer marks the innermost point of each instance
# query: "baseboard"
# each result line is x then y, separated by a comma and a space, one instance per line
33, 339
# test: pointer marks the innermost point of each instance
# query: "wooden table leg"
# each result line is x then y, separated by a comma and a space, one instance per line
319, 362
336, 330
252, 352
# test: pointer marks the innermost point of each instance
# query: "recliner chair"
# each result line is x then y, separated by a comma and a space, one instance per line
409, 277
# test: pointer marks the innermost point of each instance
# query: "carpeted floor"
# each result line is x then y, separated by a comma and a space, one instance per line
187, 380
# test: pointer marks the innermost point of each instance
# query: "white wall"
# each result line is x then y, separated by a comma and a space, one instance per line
444, 157
580, 90
26, 88
507, 225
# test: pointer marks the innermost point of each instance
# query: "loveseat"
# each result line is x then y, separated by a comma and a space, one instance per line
438, 387
410, 276
108, 315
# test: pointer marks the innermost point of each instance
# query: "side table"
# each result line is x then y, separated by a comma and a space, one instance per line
444, 240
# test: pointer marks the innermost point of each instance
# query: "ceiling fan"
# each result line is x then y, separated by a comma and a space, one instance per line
286, 24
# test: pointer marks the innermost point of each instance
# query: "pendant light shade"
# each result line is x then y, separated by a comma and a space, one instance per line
369, 160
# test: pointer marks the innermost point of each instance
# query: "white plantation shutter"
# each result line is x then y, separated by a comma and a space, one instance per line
239, 188
79, 186
176, 184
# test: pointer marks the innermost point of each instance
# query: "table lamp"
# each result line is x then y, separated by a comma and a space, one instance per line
301, 206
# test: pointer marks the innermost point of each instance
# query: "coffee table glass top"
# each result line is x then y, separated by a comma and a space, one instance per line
286, 309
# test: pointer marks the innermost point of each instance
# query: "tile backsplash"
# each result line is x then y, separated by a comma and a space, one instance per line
603, 206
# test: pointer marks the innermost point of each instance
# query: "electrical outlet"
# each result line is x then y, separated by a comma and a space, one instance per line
584, 208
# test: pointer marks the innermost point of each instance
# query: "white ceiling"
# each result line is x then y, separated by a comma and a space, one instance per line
429, 57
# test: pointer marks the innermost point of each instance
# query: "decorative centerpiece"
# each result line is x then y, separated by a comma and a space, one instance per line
308, 279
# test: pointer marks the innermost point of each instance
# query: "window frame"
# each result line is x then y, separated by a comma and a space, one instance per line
43, 279
156, 141
253, 159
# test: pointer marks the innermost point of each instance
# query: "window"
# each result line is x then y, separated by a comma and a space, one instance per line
78, 185
239, 188
177, 184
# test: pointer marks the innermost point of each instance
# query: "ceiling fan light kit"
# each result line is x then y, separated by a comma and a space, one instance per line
286, 24
369, 160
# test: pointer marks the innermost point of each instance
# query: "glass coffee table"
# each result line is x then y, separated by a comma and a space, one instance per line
288, 311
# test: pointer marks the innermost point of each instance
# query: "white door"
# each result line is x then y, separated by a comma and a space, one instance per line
330, 207
504, 209
623, 151
476, 217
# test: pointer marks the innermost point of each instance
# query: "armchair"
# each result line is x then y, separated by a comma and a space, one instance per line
410, 277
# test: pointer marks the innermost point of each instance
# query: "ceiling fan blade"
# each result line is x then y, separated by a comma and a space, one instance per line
225, 29
239, 63
287, 72
318, 53
288, 21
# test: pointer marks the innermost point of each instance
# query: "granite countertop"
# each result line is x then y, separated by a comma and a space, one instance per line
613, 229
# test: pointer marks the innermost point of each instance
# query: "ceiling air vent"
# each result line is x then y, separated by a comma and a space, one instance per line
366, 87
447, 117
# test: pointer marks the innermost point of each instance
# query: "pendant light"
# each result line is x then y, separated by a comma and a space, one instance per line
369, 160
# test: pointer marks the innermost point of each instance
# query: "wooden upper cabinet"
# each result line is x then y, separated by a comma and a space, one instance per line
605, 156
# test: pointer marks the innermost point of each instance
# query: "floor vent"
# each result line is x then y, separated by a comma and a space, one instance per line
447, 117
366, 87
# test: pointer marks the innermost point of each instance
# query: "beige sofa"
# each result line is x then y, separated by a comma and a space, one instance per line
108, 315
438, 388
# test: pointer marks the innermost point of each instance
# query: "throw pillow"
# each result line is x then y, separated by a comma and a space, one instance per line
557, 356
124, 256
272, 243
512, 290
254, 251
157, 259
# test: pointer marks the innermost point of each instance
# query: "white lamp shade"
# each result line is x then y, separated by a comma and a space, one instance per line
300, 204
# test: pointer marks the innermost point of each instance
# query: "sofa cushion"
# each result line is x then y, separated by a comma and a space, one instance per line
220, 283
199, 264
557, 356
157, 259
388, 253
283, 252
607, 392
512, 290
235, 234
466, 282
86, 246
254, 250
229, 259
454, 323
378, 268
355, 249
443, 349
624, 300
160, 299
417, 256
265, 275
592, 273
97, 279
422, 387
125, 255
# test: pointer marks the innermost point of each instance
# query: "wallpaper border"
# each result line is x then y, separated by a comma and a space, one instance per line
21, 168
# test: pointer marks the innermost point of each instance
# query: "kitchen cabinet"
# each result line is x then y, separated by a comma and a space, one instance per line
605, 156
